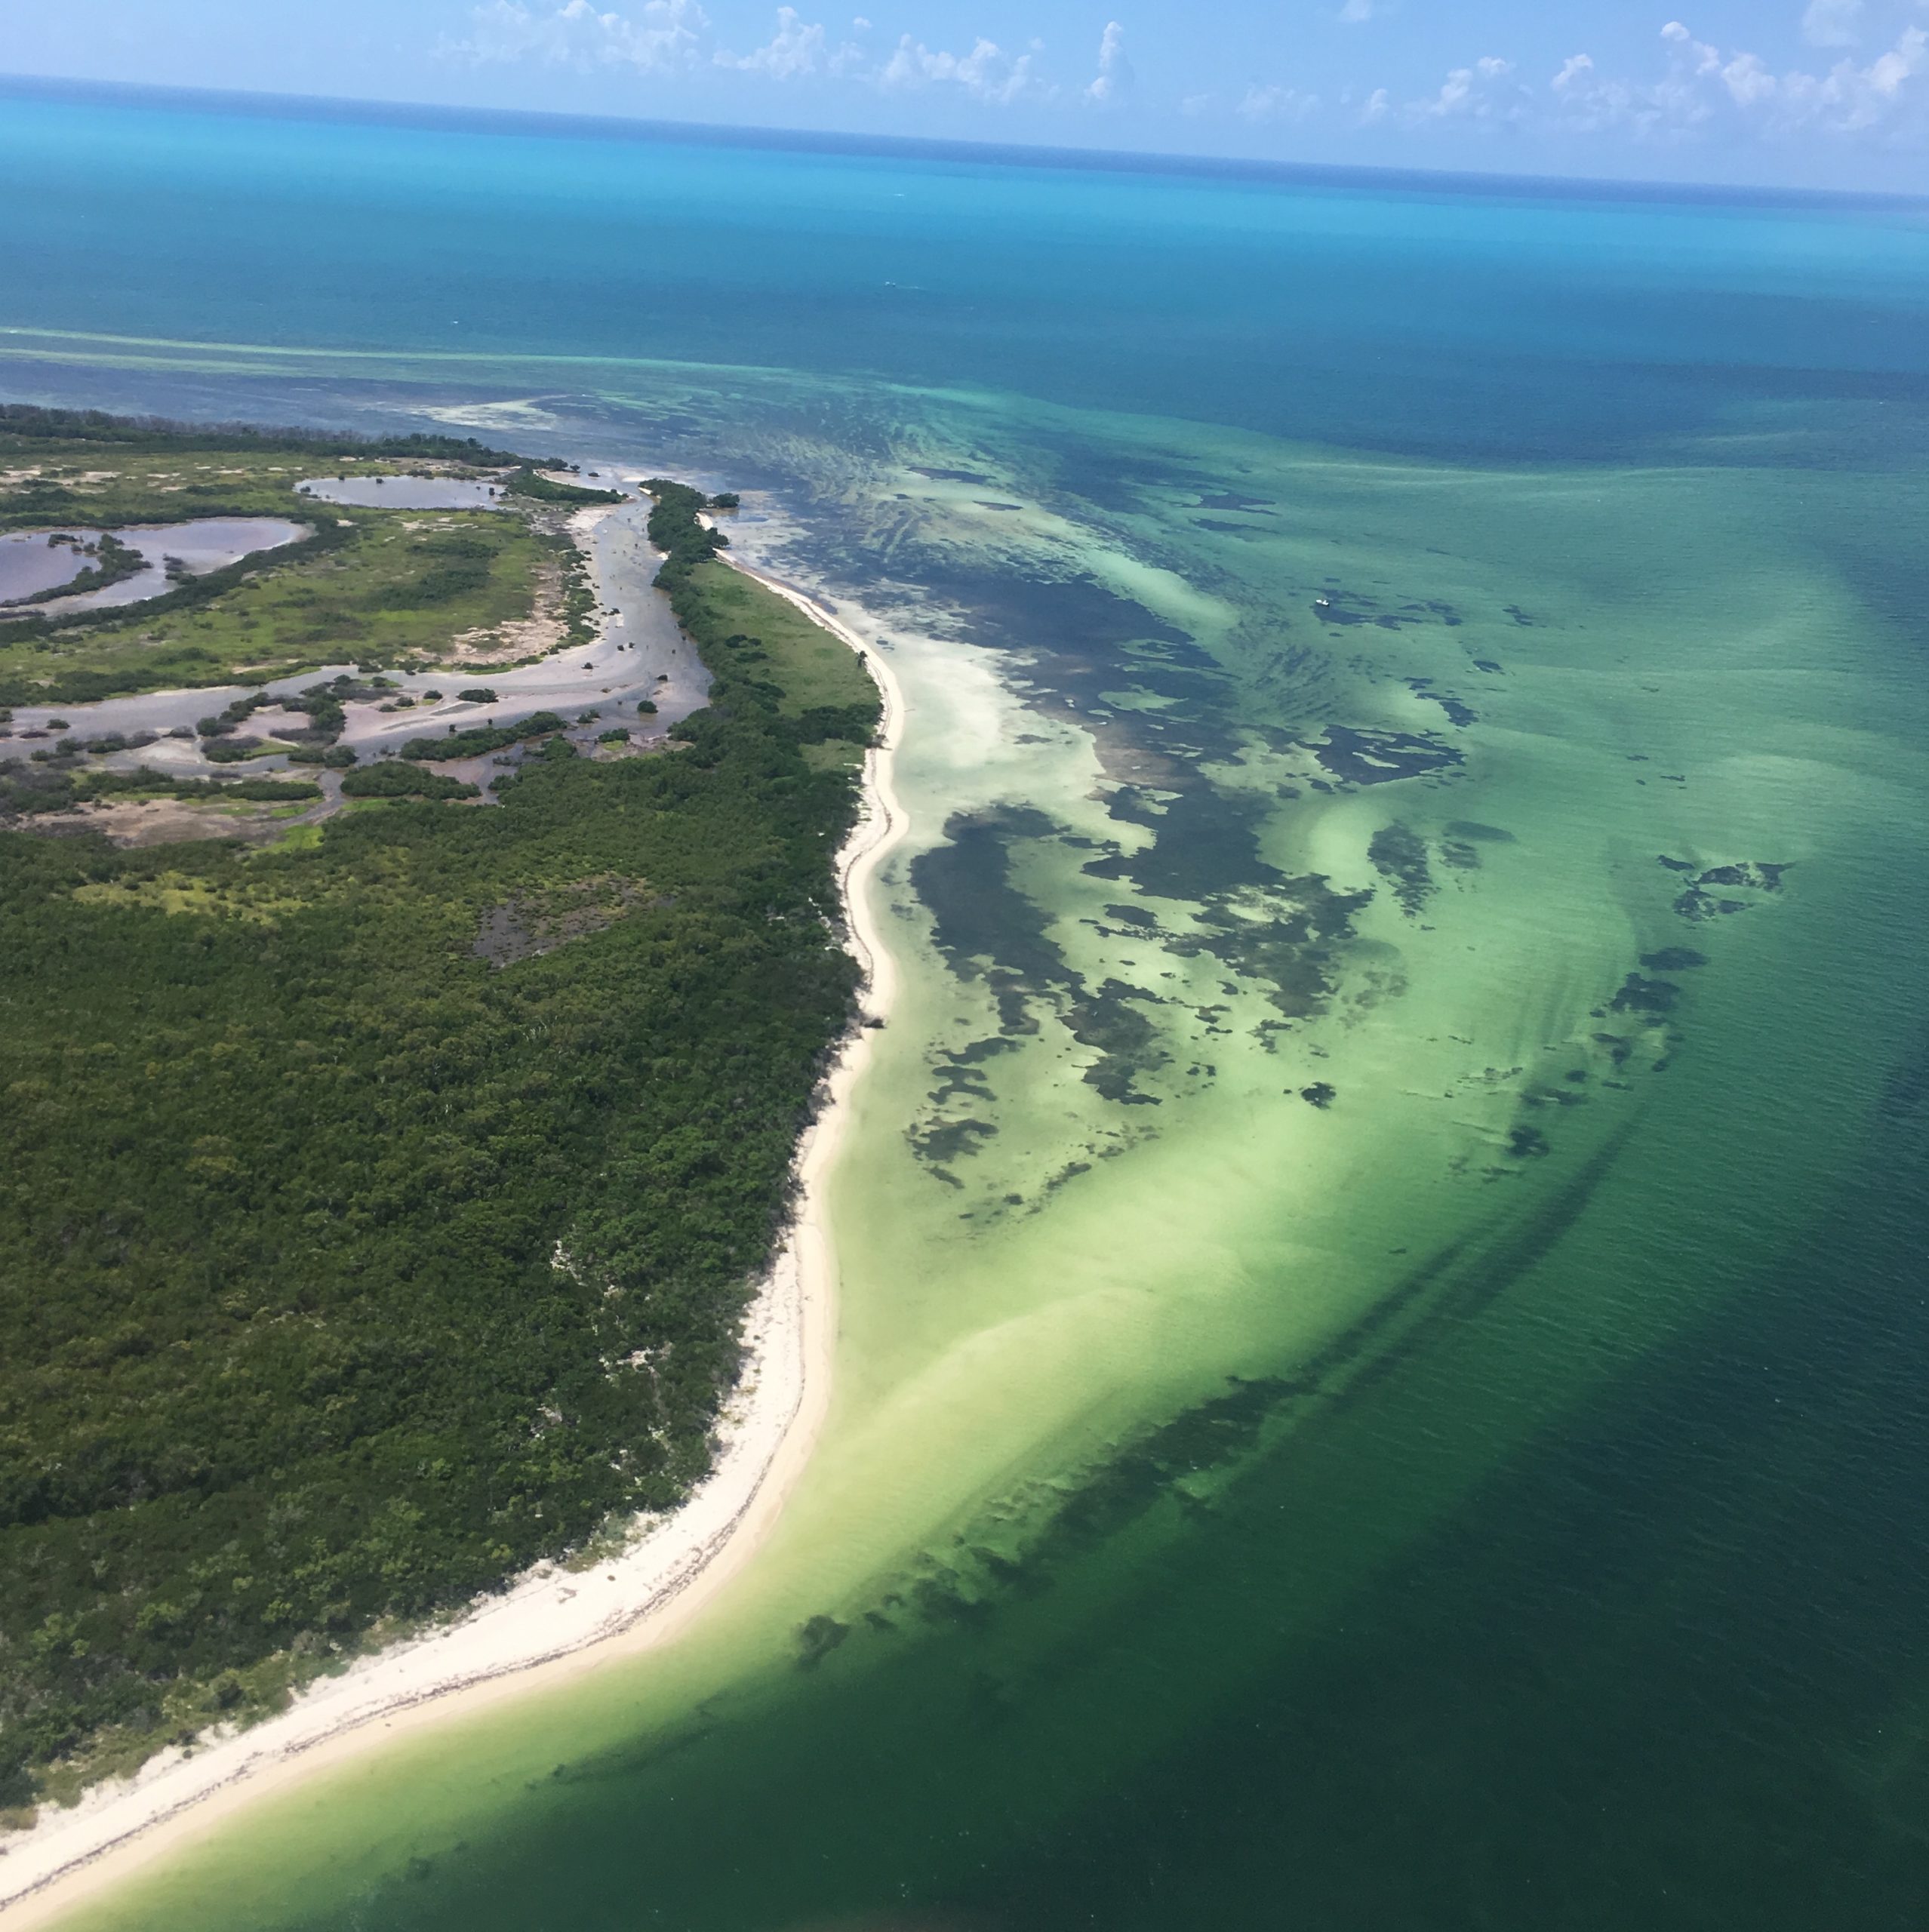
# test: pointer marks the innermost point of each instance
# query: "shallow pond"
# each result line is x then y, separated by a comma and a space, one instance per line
31, 562
207, 543
406, 493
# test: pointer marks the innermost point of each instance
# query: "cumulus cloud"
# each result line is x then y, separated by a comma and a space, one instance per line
987, 73
1585, 101
1486, 92
1872, 83
794, 49
1850, 98
664, 37
1748, 80
1277, 103
1115, 77
1697, 90
1832, 23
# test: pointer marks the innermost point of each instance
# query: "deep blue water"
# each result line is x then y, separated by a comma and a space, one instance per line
1394, 313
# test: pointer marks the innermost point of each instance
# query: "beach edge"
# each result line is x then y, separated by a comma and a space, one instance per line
668, 1575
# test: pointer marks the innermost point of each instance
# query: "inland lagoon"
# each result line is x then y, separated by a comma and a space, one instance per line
1381, 1354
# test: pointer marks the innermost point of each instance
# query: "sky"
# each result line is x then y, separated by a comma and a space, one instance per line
1824, 93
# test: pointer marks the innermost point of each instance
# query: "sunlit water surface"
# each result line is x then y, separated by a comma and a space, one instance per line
1383, 1354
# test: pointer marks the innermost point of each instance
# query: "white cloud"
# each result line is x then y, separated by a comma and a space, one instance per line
794, 49
576, 34
1902, 62
1847, 100
1748, 80
1115, 76
1832, 23
1695, 55
1278, 103
1676, 102
1486, 92
1875, 88
987, 73
1701, 88
1587, 102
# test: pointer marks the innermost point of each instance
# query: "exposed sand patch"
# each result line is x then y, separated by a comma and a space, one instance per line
138, 822
544, 630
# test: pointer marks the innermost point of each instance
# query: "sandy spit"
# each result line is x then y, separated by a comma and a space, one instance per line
551, 1624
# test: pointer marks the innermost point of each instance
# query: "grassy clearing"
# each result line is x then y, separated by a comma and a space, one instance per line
764, 652
395, 585
814, 667
69, 483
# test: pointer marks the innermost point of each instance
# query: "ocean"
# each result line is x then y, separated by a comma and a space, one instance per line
1383, 1349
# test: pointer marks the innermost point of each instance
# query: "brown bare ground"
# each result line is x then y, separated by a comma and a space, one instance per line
536, 635
132, 822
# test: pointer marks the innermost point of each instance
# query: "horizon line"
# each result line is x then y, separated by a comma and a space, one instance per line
433, 116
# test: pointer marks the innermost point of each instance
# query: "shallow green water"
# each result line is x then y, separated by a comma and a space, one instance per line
1380, 1357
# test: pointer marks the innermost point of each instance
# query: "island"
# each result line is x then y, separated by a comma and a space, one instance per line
403, 1095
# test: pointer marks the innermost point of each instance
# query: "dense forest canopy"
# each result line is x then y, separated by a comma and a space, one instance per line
377, 1212
24, 426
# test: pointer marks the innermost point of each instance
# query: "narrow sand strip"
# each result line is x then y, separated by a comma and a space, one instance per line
551, 1624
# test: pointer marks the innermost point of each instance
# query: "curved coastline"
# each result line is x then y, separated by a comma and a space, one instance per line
551, 1624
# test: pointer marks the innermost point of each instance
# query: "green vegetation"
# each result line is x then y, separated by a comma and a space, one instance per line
80, 656
405, 781
760, 646
378, 1209
481, 739
322, 705
59, 783
578, 601
367, 583
815, 672
24, 427
545, 489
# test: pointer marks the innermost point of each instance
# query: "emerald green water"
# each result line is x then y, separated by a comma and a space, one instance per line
1486, 1494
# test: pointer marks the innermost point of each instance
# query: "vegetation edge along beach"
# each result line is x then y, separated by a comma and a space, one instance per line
836, 755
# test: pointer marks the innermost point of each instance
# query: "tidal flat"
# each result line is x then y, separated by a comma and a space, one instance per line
1376, 1373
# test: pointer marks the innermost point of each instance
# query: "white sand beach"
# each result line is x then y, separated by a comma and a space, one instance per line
552, 1621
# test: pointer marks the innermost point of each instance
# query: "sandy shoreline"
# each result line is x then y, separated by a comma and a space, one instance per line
551, 1623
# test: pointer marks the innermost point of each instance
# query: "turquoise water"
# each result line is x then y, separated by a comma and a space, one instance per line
1464, 651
